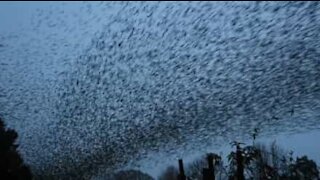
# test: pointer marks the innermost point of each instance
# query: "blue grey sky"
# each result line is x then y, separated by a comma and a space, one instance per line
74, 25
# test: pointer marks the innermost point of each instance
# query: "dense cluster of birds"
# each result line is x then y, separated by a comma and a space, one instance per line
164, 76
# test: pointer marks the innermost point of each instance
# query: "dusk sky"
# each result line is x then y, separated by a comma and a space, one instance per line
96, 71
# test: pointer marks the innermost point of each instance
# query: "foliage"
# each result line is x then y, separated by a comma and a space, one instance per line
170, 173
304, 168
11, 164
131, 174
254, 162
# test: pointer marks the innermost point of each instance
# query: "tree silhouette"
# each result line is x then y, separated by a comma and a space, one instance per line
170, 173
304, 168
11, 164
130, 174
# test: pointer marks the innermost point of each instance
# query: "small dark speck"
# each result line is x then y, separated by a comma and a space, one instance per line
292, 111
294, 55
285, 32
276, 9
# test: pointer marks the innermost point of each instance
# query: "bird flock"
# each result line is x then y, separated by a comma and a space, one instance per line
108, 84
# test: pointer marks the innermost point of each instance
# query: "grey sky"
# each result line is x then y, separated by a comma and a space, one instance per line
16, 18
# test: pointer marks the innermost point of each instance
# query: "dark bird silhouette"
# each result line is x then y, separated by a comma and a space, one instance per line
292, 111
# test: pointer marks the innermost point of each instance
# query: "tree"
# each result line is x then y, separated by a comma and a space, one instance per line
304, 168
171, 173
131, 174
194, 169
11, 164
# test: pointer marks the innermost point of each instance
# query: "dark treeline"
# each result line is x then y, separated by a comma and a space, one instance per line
253, 162
247, 162
12, 166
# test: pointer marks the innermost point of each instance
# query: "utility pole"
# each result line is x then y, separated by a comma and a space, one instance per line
208, 173
240, 167
181, 175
